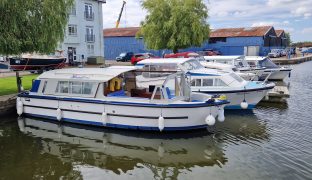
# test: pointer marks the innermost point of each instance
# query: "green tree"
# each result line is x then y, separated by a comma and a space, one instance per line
174, 24
288, 39
32, 25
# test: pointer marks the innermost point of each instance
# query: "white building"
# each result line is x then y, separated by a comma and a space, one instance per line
84, 31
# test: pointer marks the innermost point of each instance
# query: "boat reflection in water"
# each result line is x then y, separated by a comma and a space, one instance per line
123, 151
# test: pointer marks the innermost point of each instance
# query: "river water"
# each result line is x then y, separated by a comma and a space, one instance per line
274, 141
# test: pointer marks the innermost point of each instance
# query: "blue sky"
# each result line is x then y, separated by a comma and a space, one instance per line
294, 16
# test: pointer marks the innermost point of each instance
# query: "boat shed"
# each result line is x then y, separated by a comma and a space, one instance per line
229, 41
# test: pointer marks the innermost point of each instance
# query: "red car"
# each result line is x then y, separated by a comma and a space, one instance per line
182, 55
139, 57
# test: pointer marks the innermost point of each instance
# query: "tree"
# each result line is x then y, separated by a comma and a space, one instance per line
288, 40
32, 25
174, 24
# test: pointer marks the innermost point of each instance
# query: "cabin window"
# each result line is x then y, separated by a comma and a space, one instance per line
87, 88
63, 87
219, 82
74, 87
207, 82
196, 82
44, 86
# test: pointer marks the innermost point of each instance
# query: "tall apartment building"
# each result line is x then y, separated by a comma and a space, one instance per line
84, 32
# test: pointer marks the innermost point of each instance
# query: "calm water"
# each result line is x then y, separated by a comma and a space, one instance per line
272, 142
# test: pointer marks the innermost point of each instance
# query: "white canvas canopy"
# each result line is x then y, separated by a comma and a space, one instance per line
89, 74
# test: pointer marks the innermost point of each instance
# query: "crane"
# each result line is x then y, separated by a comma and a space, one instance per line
118, 21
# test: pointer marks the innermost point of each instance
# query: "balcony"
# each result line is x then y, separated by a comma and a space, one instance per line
90, 38
89, 16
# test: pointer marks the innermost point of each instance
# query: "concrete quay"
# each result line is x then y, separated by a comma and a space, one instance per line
7, 103
294, 60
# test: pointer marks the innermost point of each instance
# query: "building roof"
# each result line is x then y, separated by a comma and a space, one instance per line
87, 74
240, 32
121, 32
279, 32
224, 32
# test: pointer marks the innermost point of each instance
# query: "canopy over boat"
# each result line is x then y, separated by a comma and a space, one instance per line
90, 74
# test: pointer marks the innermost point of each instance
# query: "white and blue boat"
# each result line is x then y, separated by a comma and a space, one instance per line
272, 70
109, 97
241, 94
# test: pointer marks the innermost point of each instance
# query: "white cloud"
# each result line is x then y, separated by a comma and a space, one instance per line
307, 30
270, 23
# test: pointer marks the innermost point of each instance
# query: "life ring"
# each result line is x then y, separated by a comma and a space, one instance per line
114, 84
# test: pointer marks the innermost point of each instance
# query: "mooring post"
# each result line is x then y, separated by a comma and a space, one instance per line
18, 82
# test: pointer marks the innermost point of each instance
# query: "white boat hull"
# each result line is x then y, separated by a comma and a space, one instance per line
279, 75
120, 114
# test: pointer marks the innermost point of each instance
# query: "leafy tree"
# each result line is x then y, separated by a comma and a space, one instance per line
32, 25
288, 39
174, 24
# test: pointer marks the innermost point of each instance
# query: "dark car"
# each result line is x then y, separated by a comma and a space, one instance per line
212, 52
125, 56
140, 56
182, 55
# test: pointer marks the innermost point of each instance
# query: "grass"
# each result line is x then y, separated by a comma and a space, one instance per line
8, 84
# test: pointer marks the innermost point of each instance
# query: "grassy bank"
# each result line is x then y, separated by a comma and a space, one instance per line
8, 84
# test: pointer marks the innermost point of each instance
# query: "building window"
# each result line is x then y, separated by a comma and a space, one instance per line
72, 10
90, 37
72, 30
88, 14
90, 48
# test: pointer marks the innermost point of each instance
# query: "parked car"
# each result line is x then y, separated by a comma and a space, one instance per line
275, 53
307, 50
2, 59
212, 52
125, 56
140, 56
182, 55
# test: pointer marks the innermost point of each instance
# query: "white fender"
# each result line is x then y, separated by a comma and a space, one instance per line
221, 117
161, 123
266, 97
210, 120
244, 105
21, 124
59, 114
161, 151
104, 118
19, 106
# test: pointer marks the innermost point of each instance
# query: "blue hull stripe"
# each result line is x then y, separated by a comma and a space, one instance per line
118, 126
250, 106
204, 104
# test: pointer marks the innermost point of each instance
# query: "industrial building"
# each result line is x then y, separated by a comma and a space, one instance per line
229, 41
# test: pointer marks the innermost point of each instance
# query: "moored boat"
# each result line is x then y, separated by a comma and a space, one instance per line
272, 70
36, 62
108, 97
241, 94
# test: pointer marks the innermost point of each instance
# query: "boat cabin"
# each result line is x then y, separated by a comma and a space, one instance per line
105, 83
260, 62
236, 61
198, 75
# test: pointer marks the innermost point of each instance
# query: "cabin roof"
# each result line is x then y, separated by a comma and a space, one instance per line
164, 61
255, 58
222, 57
87, 74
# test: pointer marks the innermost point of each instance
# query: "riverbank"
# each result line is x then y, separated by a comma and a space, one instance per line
7, 103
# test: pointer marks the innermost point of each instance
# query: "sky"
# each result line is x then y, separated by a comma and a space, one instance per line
294, 16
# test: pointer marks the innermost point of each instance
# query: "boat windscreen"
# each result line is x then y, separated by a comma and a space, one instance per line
192, 65
267, 63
